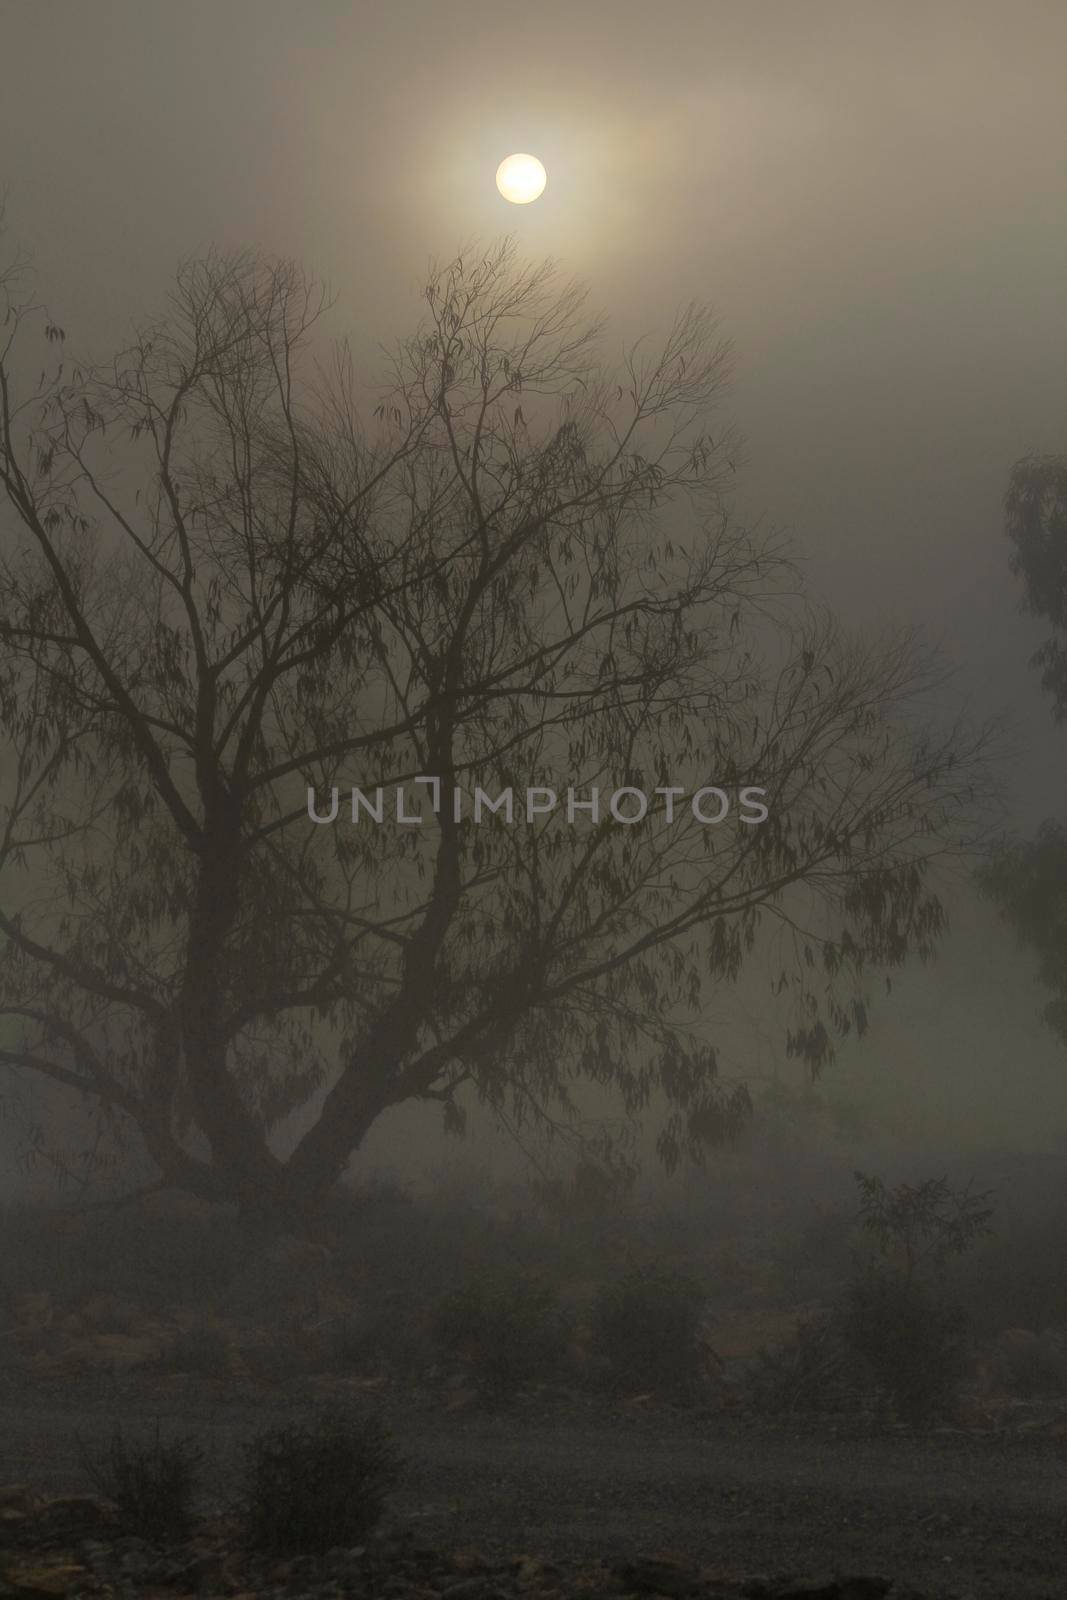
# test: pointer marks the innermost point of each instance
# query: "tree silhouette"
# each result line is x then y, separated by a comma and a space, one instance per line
1036, 524
1028, 878
223, 590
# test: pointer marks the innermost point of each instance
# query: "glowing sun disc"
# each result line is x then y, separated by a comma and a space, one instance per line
520, 179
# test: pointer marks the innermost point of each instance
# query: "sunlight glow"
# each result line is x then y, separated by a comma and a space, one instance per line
520, 179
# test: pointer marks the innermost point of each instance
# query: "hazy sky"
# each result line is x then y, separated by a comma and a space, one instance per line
872, 196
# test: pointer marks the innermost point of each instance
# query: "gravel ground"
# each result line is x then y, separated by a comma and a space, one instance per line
962, 1512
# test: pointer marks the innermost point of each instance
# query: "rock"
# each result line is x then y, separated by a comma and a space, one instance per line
42, 1582
202, 1571
169, 1573
528, 1571
788, 1587
75, 1517
131, 1544
17, 1502
481, 1588
94, 1551
468, 1561
659, 1574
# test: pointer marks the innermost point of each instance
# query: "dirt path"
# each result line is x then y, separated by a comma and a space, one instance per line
954, 1512
991, 1524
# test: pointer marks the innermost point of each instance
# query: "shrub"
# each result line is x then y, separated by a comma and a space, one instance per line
922, 1226
508, 1327
646, 1329
310, 1487
895, 1316
151, 1484
812, 1370
911, 1341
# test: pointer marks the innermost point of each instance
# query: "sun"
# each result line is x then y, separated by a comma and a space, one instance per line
520, 179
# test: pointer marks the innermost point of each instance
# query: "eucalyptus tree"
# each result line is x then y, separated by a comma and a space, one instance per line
243, 615
1027, 878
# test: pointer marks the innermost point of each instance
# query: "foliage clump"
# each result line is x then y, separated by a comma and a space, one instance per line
152, 1483
912, 1342
894, 1330
921, 1227
508, 1327
647, 1330
896, 1316
810, 1371
312, 1486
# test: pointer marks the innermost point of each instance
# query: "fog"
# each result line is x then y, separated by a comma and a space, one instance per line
871, 201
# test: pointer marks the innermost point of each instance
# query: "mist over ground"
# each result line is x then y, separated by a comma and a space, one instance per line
837, 1346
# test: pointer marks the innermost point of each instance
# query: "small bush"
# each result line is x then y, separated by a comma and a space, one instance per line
647, 1330
312, 1486
509, 1328
201, 1352
151, 1484
810, 1371
923, 1225
911, 1341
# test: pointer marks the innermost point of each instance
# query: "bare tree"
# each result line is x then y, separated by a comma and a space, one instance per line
223, 591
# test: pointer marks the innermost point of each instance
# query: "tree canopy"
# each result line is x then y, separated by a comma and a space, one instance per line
1028, 878
1036, 525
226, 594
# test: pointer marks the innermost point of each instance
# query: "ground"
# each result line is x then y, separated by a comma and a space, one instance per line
144, 1316
978, 1512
